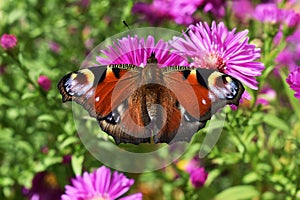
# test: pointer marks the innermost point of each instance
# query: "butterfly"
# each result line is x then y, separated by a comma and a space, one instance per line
137, 104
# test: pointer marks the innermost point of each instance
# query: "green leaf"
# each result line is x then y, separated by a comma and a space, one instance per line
76, 163
68, 141
276, 122
46, 118
241, 192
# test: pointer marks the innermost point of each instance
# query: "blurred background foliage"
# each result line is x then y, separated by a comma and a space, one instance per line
257, 156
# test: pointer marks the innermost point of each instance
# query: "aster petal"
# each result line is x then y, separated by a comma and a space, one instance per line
120, 185
102, 179
88, 184
136, 196
132, 50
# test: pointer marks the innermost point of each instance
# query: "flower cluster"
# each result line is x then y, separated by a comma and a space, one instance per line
265, 12
180, 11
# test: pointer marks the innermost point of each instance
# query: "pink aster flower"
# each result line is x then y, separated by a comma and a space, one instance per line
242, 9
265, 96
290, 18
216, 7
180, 11
100, 184
132, 50
294, 81
198, 177
44, 82
8, 41
290, 55
268, 12
217, 48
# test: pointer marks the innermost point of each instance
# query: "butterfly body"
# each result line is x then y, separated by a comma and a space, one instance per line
140, 104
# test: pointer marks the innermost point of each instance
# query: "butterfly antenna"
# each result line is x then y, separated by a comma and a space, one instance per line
152, 53
127, 26
185, 32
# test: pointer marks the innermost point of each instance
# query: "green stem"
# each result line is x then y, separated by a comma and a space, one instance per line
24, 69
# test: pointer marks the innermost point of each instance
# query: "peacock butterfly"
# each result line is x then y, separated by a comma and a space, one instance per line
137, 104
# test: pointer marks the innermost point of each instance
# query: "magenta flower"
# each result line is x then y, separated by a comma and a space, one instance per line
132, 50
290, 18
242, 9
294, 81
198, 177
8, 41
216, 7
54, 47
100, 184
290, 55
44, 186
192, 164
217, 48
268, 12
44, 82
265, 96
180, 11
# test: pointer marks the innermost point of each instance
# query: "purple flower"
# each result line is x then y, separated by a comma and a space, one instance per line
132, 50
85, 3
266, 95
8, 41
194, 163
67, 159
44, 82
180, 11
290, 18
268, 12
290, 55
242, 9
44, 186
198, 177
54, 47
216, 7
217, 48
294, 81
100, 184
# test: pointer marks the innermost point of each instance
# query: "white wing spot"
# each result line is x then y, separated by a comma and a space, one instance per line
97, 99
203, 101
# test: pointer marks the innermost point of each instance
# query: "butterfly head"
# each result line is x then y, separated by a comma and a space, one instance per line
152, 59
